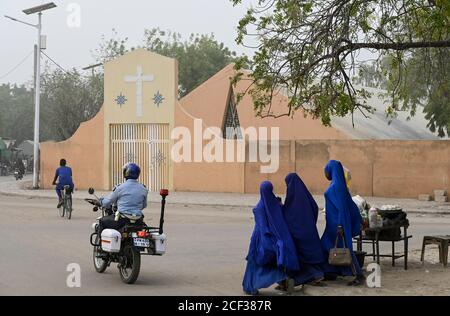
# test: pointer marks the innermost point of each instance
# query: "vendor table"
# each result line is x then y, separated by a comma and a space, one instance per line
375, 239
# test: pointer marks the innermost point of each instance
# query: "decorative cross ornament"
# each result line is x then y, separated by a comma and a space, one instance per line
158, 158
129, 157
121, 99
158, 98
139, 79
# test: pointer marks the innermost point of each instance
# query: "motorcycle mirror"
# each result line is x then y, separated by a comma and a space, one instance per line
91, 190
95, 209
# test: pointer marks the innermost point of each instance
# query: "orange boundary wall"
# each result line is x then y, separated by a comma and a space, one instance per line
390, 168
83, 152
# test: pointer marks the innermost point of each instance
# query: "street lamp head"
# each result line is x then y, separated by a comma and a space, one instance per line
92, 66
10, 17
39, 8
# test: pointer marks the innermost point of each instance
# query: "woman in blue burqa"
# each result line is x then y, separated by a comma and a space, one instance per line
300, 211
271, 255
342, 215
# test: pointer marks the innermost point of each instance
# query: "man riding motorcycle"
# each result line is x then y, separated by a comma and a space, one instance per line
20, 166
130, 198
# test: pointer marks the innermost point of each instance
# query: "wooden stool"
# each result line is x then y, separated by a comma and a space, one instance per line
442, 242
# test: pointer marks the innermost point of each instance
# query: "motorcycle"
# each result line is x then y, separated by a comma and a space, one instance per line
126, 245
18, 174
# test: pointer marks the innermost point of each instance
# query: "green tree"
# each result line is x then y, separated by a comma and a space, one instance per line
16, 112
421, 82
308, 49
68, 98
199, 57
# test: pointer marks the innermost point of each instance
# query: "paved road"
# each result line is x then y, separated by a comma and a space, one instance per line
206, 250
4, 179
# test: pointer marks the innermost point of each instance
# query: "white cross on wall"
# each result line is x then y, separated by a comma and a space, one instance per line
139, 79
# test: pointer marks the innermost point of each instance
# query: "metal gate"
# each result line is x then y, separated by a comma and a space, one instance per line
144, 144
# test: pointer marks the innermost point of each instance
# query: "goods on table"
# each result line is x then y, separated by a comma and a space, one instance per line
375, 219
393, 218
363, 207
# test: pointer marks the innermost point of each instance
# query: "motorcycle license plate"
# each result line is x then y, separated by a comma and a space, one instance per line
141, 242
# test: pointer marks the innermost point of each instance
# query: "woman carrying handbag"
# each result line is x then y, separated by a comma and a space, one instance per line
343, 222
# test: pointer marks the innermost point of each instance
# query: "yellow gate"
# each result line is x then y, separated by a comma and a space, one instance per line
144, 144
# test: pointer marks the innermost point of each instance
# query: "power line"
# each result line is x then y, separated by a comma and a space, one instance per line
17, 66
58, 65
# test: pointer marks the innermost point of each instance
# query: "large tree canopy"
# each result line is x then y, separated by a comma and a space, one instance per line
68, 98
310, 49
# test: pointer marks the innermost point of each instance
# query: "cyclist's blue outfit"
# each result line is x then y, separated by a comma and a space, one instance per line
65, 178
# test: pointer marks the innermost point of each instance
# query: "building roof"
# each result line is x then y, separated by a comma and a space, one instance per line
209, 102
27, 147
377, 125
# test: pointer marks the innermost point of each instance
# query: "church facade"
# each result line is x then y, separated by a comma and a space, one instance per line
203, 142
133, 125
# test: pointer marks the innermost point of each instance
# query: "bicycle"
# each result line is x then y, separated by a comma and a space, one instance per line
66, 207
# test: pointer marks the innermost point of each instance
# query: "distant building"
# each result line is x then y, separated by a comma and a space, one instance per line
26, 148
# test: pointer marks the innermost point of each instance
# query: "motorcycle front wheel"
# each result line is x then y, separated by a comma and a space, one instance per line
100, 264
131, 265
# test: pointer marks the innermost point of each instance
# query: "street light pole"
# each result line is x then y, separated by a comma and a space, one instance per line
37, 108
38, 10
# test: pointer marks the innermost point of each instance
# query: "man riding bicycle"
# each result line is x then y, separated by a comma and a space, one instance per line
64, 174
130, 198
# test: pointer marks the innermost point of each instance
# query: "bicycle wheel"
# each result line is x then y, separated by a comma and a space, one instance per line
61, 209
68, 206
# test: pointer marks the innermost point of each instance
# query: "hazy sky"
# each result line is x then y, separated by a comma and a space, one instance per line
72, 46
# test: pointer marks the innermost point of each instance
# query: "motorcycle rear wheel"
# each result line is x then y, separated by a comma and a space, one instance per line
129, 269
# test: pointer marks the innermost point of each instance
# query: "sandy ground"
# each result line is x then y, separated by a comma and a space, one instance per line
430, 278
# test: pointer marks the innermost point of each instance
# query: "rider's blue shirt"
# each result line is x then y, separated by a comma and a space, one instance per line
130, 197
65, 176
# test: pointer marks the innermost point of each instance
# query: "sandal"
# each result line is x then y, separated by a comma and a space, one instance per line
318, 283
359, 280
330, 277
282, 286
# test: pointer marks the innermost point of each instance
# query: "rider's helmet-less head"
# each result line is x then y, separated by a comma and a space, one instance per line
131, 171
62, 162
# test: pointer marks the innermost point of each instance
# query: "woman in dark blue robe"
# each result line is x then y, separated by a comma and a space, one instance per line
271, 255
300, 211
340, 210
